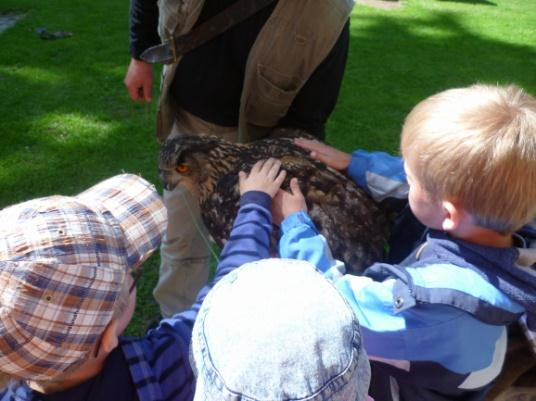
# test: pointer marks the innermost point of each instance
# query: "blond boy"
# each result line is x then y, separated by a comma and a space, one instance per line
434, 325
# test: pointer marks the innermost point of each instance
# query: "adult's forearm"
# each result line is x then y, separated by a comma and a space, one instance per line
143, 26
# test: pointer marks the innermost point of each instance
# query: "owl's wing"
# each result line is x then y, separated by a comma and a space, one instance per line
220, 208
354, 226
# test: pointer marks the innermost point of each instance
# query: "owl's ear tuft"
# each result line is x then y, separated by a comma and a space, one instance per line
189, 144
173, 149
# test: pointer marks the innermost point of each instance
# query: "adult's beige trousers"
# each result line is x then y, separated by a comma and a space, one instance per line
185, 254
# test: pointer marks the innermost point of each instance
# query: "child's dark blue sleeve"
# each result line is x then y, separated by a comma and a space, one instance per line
249, 239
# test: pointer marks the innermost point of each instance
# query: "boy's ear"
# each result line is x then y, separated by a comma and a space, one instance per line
109, 338
452, 216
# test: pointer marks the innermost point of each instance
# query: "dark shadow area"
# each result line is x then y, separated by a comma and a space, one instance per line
394, 63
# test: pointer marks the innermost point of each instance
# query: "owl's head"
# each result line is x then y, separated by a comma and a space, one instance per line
194, 161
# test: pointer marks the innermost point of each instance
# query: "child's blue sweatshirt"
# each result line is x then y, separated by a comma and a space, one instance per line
434, 326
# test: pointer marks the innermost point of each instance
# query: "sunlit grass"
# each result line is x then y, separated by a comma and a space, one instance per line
30, 74
400, 56
74, 127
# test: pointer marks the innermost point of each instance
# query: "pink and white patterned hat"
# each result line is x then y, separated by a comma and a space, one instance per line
63, 262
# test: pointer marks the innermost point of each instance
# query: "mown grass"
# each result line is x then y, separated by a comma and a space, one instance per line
66, 121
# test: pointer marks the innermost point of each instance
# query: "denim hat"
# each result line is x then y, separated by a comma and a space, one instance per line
276, 329
63, 263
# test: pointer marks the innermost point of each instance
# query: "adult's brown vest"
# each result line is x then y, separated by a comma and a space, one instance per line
295, 39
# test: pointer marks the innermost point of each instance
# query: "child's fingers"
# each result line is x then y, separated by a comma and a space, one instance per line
270, 167
316, 149
295, 187
257, 167
280, 178
241, 177
266, 165
275, 166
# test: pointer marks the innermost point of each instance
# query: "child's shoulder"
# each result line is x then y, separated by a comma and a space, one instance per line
174, 332
462, 274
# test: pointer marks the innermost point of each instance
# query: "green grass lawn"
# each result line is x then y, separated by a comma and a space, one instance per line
66, 121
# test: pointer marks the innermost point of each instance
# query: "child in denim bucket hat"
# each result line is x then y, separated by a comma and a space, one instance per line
274, 329
277, 329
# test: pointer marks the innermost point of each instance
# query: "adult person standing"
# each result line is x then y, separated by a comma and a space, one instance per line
280, 67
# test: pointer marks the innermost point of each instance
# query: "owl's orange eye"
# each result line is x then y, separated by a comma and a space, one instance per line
182, 169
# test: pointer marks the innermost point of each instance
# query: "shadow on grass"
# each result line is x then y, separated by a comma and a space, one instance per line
66, 121
394, 63
58, 135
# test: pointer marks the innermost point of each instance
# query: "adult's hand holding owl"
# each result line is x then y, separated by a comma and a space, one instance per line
324, 153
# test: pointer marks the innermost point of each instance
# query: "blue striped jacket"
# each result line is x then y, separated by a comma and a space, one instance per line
434, 326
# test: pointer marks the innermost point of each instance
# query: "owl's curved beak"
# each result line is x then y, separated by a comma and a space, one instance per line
166, 180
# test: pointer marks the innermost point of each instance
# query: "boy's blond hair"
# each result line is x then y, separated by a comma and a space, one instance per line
477, 146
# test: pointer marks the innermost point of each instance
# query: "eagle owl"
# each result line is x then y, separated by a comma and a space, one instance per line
355, 227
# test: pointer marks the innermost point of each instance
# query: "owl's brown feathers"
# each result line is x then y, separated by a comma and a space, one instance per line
354, 226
